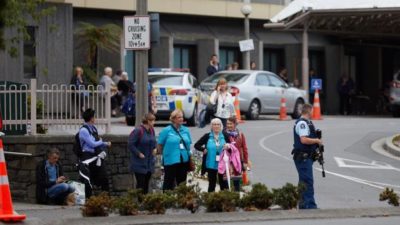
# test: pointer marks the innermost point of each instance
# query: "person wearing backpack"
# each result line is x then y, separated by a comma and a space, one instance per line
92, 169
142, 146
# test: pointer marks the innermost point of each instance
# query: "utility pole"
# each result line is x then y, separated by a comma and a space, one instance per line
305, 60
141, 70
246, 10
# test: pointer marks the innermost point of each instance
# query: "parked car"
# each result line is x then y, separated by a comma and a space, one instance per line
394, 98
175, 90
260, 92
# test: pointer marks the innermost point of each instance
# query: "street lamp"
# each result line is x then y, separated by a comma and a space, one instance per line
246, 10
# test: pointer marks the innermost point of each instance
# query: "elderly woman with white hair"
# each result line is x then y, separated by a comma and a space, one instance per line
212, 144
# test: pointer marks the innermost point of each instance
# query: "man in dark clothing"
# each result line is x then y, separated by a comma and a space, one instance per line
51, 186
214, 65
345, 87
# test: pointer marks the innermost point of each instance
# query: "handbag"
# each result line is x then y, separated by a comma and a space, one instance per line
191, 166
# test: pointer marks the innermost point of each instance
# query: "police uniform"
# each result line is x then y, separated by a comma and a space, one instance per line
302, 156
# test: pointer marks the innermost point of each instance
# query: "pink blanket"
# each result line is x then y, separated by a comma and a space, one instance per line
234, 160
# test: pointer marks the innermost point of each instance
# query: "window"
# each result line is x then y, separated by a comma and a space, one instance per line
228, 56
274, 59
30, 53
166, 80
275, 81
184, 57
262, 80
229, 77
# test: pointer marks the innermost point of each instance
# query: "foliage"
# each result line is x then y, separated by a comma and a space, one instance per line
288, 196
223, 201
15, 14
39, 106
259, 197
390, 195
93, 37
95, 206
157, 203
90, 75
129, 204
188, 197
396, 141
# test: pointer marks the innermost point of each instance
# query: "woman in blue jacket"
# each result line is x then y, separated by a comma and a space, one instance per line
142, 145
174, 143
212, 144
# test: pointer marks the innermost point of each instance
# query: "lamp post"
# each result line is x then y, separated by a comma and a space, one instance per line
246, 10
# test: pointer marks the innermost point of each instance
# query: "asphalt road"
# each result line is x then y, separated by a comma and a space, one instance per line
358, 180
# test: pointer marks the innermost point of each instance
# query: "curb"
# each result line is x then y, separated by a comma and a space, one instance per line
203, 218
379, 146
390, 147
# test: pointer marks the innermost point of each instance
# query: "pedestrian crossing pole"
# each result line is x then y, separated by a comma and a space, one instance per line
141, 69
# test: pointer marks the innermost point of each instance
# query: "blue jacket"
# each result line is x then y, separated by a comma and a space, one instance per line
170, 140
208, 142
88, 140
142, 141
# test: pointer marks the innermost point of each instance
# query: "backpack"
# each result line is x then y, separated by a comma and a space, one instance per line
141, 132
129, 106
77, 148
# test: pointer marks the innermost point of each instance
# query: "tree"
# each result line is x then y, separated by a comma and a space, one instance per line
105, 37
16, 14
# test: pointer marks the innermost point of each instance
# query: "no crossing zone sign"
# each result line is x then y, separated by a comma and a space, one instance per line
137, 32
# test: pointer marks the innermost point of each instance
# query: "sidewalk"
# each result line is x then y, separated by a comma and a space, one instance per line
57, 215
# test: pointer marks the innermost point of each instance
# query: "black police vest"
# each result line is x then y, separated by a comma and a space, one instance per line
300, 147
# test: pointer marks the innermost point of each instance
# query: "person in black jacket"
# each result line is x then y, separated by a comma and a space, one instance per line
51, 186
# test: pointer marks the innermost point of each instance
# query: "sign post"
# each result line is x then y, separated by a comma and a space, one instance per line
137, 38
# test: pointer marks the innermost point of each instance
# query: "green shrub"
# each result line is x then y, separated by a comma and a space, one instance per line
258, 198
391, 196
100, 205
188, 197
223, 201
128, 204
157, 203
287, 197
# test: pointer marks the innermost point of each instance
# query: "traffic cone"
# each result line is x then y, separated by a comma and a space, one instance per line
316, 107
7, 213
237, 110
282, 113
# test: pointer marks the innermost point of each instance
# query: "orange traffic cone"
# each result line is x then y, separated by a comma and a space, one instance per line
237, 110
7, 213
316, 107
282, 113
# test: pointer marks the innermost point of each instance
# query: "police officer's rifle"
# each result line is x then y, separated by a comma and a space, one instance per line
319, 153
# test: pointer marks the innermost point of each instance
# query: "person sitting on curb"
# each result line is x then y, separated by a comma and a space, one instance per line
51, 187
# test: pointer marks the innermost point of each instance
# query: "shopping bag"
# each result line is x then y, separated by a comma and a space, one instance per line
79, 192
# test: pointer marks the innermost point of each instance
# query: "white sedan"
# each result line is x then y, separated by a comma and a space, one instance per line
176, 90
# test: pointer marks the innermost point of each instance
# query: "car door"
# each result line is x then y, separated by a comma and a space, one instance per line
264, 92
277, 87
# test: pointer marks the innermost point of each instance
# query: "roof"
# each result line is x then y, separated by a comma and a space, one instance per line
371, 19
298, 6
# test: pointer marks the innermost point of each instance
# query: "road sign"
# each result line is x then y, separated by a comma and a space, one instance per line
246, 45
137, 32
316, 84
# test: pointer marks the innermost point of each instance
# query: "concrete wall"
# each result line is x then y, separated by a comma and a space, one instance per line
162, 54
205, 48
21, 170
53, 50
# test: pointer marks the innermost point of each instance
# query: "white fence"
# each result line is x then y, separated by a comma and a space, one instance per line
58, 107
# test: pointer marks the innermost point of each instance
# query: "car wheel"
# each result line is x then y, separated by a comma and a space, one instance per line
130, 120
254, 110
193, 120
298, 106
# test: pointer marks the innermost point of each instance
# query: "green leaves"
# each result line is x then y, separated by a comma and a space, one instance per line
390, 195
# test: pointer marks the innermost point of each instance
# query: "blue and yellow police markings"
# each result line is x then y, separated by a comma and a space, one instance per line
172, 103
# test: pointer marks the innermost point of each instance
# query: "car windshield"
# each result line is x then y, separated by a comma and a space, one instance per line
230, 77
165, 80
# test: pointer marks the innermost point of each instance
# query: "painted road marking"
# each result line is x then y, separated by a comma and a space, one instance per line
350, 163
374, 184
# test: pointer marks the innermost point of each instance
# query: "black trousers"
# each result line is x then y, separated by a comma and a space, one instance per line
98, 176
142, 181
212, 180
174, 175
345, 104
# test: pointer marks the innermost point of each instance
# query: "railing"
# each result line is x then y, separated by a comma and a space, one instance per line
58, 107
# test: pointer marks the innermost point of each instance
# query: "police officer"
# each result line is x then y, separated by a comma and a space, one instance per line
305, 144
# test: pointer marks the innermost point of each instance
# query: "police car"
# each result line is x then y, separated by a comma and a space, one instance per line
175, 89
